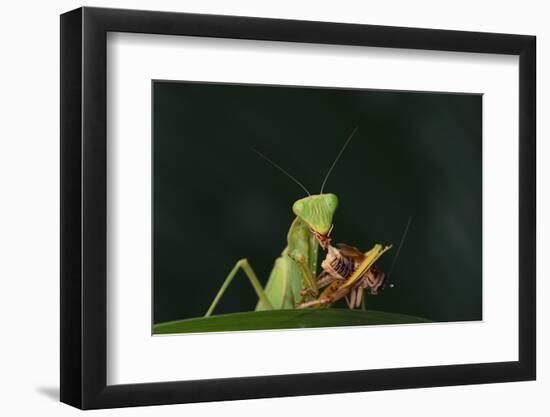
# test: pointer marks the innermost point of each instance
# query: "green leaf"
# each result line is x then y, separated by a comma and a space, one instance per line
284, 319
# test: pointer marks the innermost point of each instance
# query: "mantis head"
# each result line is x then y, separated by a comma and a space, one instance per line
317, 212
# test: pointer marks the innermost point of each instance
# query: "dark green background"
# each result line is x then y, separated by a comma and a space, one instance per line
215, 201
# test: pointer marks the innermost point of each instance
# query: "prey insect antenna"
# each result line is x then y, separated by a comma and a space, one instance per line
337, 157
400, 246
282, 170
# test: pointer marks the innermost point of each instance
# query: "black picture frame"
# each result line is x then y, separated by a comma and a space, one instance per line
83, 207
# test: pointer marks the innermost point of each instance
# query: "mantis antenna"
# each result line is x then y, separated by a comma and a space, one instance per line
399, 247
282, 170
337, 157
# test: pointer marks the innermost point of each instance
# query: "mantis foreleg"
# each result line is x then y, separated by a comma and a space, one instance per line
307, 276
250, 274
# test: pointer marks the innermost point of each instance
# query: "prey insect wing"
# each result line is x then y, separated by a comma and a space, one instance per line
350, 251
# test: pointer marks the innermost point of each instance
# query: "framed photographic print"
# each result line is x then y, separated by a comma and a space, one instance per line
258, 207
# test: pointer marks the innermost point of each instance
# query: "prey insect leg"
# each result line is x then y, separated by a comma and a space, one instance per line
359, 300
352, 298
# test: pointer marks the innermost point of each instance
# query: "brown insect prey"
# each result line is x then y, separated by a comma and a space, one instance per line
338, 267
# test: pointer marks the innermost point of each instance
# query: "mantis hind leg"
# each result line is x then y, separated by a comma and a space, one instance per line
251, 275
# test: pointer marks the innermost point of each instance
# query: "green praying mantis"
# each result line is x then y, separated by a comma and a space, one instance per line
293, 281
